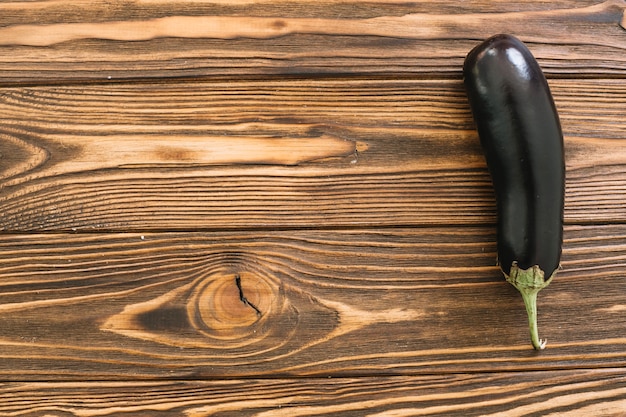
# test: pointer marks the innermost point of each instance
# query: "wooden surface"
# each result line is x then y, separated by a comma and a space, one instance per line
220, 208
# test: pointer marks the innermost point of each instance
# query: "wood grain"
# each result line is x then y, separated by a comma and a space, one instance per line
281, 154
282, 210
564, 394
102, 41
317, 303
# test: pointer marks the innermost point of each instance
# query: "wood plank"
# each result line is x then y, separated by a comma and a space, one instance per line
563, 393
298, 303
280, 154
115, 40
282, 210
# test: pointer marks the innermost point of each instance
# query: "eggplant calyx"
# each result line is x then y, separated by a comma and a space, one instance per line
529, 282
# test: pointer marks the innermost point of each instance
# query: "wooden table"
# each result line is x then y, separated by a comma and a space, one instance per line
220, 208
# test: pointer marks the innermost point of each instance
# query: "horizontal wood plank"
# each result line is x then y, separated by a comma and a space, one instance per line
282, 209
101, 41
551, 394
298, 303
281, 154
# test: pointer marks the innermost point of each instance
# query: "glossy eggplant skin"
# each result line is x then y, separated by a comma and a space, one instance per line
521, 137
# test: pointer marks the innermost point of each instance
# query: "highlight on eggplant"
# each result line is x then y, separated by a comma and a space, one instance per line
521, 138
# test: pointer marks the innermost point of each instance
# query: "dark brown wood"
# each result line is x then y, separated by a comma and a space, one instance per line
60, 41
585, 392
307, 303
281, 209
276, 154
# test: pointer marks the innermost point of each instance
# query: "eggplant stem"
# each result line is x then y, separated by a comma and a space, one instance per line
530, 301
529, 282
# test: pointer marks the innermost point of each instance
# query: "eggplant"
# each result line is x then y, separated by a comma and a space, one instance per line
521, 137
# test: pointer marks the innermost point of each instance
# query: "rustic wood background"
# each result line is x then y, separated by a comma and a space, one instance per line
266, 208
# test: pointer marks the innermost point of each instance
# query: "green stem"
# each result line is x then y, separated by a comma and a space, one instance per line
530, 301
529, 282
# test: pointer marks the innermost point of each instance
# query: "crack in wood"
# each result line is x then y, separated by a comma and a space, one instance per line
243, 298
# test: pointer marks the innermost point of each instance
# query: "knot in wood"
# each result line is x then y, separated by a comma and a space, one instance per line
232, 305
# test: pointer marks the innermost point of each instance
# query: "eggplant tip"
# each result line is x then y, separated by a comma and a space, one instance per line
541, 345
529, 282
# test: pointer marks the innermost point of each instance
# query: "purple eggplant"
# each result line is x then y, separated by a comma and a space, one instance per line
521, 138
